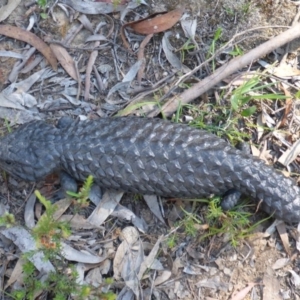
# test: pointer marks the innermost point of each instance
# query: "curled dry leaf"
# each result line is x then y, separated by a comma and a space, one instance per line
106, 206
65, 60
29, 212
70, 253
157, 22
32, 39
163, 277
281, 228
168, 50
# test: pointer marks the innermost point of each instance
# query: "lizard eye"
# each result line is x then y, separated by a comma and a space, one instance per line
8, 162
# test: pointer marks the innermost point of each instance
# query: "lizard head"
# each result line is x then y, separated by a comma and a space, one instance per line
28, 152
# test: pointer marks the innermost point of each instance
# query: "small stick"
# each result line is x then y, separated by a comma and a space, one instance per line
227, 69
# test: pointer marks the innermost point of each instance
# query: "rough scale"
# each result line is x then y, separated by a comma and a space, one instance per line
148, 156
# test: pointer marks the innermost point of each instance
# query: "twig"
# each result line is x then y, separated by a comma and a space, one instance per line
227, 69
141, 57
78, 77
89, 68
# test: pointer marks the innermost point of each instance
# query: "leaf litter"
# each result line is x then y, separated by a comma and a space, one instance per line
97, 74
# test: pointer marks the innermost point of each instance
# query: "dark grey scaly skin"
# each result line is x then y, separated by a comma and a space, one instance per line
147, 156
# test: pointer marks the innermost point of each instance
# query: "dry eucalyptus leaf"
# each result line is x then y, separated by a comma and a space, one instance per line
213, 283
163, 277
282, 70
237, 79
243, 293
152, 202
32, 39
7, 9
148, 261
16, 273
296, 278
65, 60
95, 38
123, 213
189, 27
103, 210
4, 53
6, 102
290, 154
168, 49
77, 222
157, 22
29, 212
25, 242
72, 254
130, 235
61, 206
94, 277
280, 263
18, 116
128, 259
281, 228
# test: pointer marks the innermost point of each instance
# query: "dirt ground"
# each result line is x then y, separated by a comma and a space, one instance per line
262, 265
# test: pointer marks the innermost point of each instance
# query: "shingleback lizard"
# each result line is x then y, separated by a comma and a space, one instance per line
147, 156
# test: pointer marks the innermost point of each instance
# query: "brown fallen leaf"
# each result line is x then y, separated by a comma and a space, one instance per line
243, 293
281, 228
152, 24
288, 106
157, 22
32, 39
65, 59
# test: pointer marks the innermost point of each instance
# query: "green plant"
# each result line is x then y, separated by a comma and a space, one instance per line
137, 197
83, 195
241, 96
62, 283
133, 107
229, 11
188, 45
246, 7
212, 48
218, 115
58, 285
237, 51
189, 222
7, 220
43, 5
48, 232
234, 222
171, 241
116, 3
